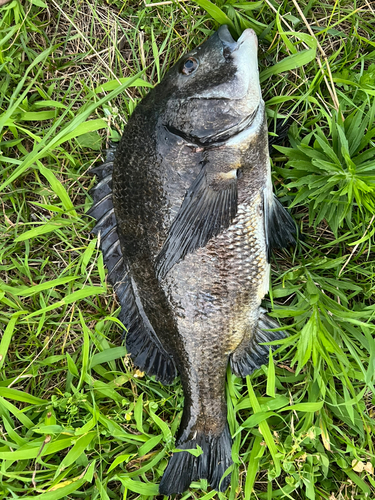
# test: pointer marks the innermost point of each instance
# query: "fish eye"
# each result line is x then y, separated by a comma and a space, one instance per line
189, 66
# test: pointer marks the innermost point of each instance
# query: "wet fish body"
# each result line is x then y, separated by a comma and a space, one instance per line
187, 221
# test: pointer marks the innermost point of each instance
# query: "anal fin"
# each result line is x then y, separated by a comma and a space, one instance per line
250, 355
141, 340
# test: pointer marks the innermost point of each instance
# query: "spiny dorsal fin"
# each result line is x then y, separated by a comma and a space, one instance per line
141, 340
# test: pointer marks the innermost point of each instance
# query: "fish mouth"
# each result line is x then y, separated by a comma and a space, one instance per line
248, 37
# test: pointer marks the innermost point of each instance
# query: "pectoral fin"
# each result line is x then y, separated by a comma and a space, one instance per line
209, 207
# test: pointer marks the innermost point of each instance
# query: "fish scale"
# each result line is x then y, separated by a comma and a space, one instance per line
186, 220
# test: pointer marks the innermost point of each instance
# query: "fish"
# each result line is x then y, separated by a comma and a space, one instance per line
187, 221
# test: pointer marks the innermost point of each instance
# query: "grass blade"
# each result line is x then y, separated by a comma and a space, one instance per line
216, 13
264, 428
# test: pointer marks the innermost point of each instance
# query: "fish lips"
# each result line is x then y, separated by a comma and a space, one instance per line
248, 37
243, 55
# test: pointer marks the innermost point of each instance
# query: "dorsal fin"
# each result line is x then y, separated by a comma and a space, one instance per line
141, 340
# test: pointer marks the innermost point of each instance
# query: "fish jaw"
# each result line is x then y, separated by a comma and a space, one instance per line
246, 58
245, 87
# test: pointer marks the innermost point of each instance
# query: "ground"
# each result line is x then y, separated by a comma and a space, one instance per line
78, 420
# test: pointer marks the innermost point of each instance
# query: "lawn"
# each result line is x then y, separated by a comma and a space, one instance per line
78, 420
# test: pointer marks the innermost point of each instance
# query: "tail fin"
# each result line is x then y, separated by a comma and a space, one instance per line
184, 467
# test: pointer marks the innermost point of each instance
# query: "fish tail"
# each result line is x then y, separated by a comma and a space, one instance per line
211, 464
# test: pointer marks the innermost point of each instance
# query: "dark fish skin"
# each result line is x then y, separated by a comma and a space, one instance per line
196, 219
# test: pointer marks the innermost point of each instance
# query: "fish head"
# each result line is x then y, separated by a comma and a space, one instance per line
213, 92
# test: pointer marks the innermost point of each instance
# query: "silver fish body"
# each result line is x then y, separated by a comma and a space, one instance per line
187, 220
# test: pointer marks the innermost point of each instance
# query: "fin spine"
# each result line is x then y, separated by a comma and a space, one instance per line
141, 340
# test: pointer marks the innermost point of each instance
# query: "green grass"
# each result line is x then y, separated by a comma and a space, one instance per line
77, 418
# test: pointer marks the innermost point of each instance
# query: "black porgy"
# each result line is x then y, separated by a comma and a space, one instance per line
187, 220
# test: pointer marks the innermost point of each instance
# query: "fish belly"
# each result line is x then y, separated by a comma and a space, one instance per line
216, 293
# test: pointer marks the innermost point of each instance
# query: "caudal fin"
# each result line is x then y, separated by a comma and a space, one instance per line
184, 467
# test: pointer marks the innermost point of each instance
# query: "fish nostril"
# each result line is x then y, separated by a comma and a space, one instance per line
227, 52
